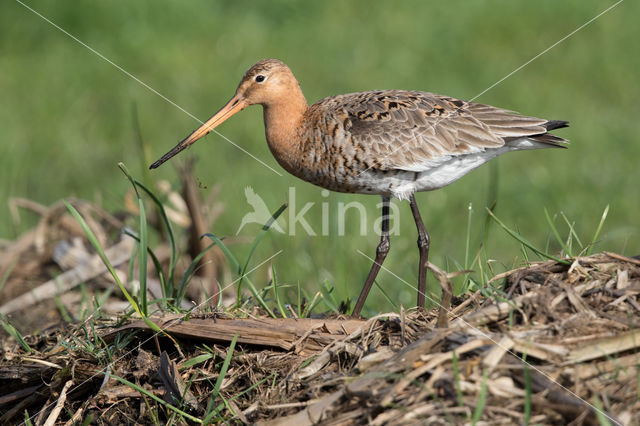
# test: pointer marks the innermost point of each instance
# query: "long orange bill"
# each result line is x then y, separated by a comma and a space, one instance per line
233, 106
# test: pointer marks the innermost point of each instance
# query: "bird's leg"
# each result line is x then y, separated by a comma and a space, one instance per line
381, 253
423, 246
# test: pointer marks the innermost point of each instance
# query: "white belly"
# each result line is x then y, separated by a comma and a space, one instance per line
433, 174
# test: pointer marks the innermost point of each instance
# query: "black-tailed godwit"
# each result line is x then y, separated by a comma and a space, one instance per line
393, 143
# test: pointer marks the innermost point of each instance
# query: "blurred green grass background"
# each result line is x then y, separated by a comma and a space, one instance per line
66, 114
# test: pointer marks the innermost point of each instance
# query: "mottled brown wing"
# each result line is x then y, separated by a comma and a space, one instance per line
411, 130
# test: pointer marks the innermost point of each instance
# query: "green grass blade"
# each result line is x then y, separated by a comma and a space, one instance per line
328, 298
572, 230
236, 265
299, 295
487, 224
388, 298
257, 239
525, 255
527, 394
232, 259
311, 306
170, 234
481, 271
456, 378
186, 278
196, 360
27, 419
259, 298
556, 234
526, 243
221, 375
598, 229
13, 332
274, 280
239, 394
154, 259
547, 243
467, 246
96, 245
133, 257
7, 273
142, 262
482, 398
227, 405
64, 313
603, 419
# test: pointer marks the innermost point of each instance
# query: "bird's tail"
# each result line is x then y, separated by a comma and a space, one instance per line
542, 140
549, 139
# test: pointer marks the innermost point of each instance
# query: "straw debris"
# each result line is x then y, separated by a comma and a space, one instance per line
558, 343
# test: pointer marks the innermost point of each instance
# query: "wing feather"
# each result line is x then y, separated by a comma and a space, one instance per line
409, 130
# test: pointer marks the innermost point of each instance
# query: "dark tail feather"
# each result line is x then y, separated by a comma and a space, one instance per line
550, 139
555, 124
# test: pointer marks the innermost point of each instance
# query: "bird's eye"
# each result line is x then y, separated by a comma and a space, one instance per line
260, 78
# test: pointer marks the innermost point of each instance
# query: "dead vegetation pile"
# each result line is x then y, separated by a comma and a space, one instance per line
559, 343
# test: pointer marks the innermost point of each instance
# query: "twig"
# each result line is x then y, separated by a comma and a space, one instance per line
291, 404
51, 420
623, 258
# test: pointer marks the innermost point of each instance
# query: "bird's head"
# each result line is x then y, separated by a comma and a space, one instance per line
265, 83
268, 81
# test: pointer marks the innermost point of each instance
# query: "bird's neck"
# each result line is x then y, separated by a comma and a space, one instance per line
282, 120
